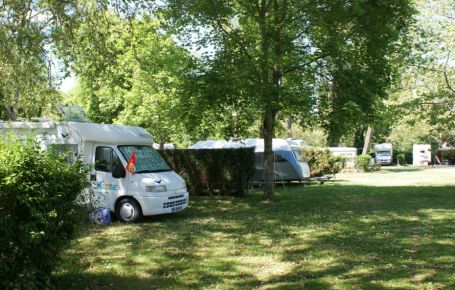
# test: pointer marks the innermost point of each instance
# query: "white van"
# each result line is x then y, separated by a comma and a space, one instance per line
153, 188
384, 153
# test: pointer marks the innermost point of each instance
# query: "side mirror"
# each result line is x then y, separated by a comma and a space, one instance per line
119, 171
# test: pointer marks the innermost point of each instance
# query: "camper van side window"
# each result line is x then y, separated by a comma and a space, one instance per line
278, 158
105, 159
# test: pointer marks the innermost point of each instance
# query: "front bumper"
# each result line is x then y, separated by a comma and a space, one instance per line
154, 205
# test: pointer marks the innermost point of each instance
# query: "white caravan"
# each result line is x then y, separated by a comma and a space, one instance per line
297, 145
350, 153
153, 188
421, 154
166, 146
384, 153
287, 166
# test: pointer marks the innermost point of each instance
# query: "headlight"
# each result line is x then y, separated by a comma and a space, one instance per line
156, 188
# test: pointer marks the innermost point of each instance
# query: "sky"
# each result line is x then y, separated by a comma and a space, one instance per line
67, 84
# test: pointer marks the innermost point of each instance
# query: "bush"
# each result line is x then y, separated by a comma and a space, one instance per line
37, 212
364, 163
402, 157
213, 171
321, 162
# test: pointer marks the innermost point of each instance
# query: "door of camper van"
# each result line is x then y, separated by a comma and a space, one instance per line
107, 187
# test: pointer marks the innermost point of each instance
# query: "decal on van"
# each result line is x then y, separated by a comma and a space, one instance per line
106, 186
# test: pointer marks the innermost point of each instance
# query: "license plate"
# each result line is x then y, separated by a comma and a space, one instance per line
177, 208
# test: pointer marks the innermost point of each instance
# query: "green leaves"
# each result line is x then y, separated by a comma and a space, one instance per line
37, 211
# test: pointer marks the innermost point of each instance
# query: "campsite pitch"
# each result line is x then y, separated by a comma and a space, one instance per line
389, 229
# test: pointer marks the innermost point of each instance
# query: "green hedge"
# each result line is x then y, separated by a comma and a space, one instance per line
213, 171
321, 161
37, 212
447, 154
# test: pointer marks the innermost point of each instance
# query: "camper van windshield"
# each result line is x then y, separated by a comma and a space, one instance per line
147, 159
383, 153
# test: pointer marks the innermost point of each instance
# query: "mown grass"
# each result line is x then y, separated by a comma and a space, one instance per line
340, 235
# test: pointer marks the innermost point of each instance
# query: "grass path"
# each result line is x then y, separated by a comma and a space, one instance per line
397, 234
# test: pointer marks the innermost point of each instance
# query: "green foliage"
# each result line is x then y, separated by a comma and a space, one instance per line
134, 78
27, 84
321, 161
403, 157
213, 171
424, 99
37, 212
273, 57
364, 163
447, 154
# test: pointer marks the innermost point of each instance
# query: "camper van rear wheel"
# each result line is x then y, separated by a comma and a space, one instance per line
128, 210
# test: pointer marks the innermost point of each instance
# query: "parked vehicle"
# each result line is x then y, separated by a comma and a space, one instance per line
287, 166
166, 146
384, 153
149, 188
421, 154
350, 153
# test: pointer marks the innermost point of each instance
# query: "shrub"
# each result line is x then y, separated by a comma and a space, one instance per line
321, 162
37, 212
364, 163
213, 171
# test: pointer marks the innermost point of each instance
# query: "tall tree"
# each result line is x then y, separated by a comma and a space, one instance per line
425, 97
27, 84
30, 32
132, 74
276, 53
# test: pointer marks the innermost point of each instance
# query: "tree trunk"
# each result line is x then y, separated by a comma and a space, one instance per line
267, 96
12, 112
368, 136
289, 121
359, 137
272, 97
269, 174
11, 109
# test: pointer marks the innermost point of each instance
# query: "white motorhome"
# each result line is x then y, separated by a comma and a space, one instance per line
153, 188
350, 153
421, 154
384, 153
287, 166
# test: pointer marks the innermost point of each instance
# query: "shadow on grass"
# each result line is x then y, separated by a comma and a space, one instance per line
314, 237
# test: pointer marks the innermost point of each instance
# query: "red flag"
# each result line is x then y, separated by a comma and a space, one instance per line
131, 166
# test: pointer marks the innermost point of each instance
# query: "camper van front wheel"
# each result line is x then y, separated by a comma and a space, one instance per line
128, 210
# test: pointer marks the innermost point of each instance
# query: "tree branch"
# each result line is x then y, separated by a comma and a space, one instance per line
239, 41
303, 65
446, 77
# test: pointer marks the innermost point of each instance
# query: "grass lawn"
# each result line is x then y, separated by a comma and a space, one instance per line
393, 229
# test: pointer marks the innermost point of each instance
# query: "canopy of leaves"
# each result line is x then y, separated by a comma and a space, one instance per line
131, 74
332, 59
424, 100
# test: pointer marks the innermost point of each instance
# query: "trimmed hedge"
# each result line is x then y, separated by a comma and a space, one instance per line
213, 171
37, 212
321, 161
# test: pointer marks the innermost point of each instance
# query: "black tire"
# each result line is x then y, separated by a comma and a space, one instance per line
128, 210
